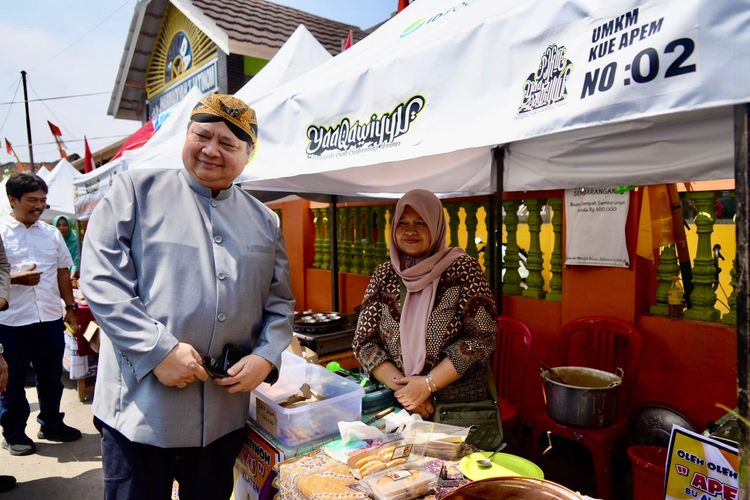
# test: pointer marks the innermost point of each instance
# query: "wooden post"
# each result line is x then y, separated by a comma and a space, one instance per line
741, 163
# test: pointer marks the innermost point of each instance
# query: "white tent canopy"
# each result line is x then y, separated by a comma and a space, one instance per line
299, 54
60, 195
455, 78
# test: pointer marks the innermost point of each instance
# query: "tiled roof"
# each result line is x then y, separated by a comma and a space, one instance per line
256, 28
260, 22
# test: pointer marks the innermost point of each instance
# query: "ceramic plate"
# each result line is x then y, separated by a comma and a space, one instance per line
505, 464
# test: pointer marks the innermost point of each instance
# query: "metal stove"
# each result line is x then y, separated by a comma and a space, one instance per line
325, 332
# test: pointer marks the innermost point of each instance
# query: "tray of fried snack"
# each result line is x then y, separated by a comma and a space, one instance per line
402, 482
379, 458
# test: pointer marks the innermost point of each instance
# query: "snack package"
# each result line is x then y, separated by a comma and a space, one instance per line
437, 440
403, 482
379, 458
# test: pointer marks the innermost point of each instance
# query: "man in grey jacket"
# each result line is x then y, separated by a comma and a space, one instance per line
177, 264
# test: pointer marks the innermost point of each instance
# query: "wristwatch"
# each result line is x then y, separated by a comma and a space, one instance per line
71, 307
1, 349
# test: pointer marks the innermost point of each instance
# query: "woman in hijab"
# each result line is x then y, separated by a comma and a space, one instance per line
65, 226
428, 321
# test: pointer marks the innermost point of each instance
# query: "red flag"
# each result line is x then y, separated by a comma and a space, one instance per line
348, 41
88, 162
137, 139
9, 148
402, 4
57, 134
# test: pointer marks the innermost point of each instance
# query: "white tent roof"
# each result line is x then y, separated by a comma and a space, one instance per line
444, 81
299, 54
60, 194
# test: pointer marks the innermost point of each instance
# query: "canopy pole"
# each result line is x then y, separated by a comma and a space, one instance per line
495, 223
28, 123
741, 162
334, 257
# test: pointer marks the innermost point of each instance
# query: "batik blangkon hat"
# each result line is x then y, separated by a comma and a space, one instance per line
239, 117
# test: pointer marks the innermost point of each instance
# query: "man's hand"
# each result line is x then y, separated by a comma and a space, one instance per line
414, 392
182, 366
3, 374
3, 303
71, 318
246, 374
27, 277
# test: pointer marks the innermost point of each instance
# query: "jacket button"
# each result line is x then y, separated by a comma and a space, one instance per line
221, 317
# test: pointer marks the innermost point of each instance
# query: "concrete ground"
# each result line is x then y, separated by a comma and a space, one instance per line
58, 470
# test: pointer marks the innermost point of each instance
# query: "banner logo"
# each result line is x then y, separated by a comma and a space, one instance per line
377, 132
437, 17
547, 86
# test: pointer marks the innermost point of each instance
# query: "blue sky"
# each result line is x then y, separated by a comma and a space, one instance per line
74, 47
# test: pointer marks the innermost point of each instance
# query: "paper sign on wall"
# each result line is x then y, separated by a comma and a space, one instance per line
595, 227
699, 467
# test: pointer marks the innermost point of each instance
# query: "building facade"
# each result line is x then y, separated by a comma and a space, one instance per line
216, 45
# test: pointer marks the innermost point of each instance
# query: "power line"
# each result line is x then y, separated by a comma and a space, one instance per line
10, 107
67, 141
50, 110
11, 86
55, 56
42, 99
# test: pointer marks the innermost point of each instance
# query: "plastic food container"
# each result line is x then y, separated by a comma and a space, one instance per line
300, 425
401, 483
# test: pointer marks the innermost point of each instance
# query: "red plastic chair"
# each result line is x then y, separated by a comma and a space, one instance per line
604, 344
509, 363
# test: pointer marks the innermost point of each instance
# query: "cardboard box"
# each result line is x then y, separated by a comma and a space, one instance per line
254, 468
91, 334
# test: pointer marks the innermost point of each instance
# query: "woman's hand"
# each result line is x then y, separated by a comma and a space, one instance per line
426, 409
414, 392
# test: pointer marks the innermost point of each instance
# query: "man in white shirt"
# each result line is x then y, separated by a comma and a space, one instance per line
32, 329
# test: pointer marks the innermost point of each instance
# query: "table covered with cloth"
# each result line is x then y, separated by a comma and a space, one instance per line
315, 475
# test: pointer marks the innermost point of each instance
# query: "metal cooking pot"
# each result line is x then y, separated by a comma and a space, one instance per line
580, 396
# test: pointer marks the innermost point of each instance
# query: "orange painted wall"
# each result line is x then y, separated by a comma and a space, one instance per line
351, 290
298, 228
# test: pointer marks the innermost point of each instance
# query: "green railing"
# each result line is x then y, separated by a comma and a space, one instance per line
362, 244
362, 238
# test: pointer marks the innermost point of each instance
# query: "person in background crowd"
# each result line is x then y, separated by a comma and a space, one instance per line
65, 226
427, 325
176, 265
32, 329
6, 482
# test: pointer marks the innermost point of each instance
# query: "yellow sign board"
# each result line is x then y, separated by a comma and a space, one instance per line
701, 468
